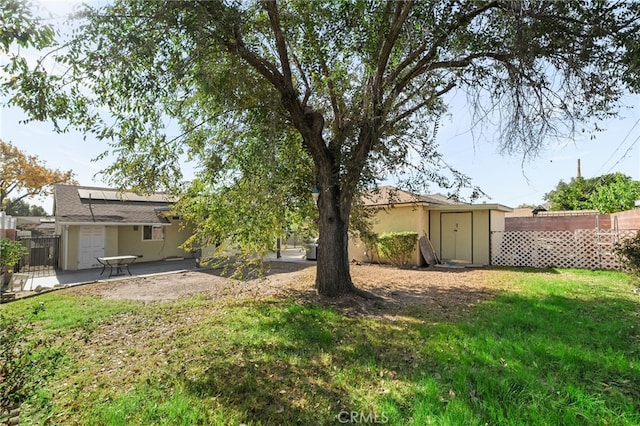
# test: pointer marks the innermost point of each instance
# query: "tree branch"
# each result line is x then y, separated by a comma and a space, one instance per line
400, 16
281, 44
303, 77
264, 67
368, 135
420, 105
308, 122
419, 67
333, 97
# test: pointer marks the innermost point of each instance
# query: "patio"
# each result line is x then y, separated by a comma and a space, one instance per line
61, 279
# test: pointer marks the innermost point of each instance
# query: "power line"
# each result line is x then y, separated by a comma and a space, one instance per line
618, 148
625, 153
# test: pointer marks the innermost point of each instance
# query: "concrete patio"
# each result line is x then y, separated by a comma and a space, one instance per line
61, 279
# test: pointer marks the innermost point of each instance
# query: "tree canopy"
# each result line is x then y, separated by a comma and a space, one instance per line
607, 193
272, 99
22, 208
25, 176
21, 28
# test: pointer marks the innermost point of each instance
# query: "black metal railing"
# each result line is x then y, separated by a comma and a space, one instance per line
42, 255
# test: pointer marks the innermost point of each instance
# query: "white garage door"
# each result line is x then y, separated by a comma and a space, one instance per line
90, 245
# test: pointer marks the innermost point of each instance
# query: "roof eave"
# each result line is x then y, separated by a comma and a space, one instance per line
467, 207
80, 223
447, 207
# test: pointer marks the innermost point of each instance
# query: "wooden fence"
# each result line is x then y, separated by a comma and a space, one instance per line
581, 248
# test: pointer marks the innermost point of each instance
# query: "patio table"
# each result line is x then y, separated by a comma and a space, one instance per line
117, 263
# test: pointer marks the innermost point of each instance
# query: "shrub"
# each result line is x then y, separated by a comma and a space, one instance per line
397, 247
370, 241
629, 253
10, 254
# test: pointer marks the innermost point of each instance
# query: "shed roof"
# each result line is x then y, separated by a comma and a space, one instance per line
391, 196
83, 204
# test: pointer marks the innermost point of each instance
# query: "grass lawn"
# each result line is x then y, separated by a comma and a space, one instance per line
555, 347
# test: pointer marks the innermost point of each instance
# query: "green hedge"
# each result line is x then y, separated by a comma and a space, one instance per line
397, 247
10, 254
629, 253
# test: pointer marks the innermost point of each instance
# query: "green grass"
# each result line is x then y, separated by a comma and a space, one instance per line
560, 347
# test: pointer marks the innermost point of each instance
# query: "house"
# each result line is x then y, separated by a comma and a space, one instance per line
457, 231
7, 226
35, 225
95, 222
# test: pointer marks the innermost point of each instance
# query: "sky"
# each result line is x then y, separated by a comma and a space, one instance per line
505, 179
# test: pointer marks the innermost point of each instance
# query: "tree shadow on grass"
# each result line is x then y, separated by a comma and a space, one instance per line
244, 272
514, 359
277, 366
527, 269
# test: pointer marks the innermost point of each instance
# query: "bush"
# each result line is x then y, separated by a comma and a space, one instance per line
10, 254
629, 253
397, 247
370, 241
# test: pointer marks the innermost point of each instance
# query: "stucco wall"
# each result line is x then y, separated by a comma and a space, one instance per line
124, 240
68, 246
111, 241
130, 242
497, 220
395, 219
423, 221
177, 237
481, 237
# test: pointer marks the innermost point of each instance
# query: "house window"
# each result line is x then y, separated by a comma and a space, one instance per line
152, 233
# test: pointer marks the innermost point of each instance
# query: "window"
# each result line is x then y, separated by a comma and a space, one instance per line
152, 233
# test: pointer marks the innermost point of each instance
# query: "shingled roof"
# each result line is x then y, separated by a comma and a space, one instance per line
94, 205
386, 195
390, 196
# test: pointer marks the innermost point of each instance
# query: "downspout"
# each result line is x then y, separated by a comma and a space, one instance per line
66, 247
490, 212
473, 243
93, 218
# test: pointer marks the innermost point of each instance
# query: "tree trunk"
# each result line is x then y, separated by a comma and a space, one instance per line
332, 277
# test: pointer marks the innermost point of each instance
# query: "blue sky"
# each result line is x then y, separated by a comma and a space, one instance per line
505, 179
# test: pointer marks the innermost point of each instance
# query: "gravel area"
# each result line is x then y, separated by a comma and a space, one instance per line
443, 292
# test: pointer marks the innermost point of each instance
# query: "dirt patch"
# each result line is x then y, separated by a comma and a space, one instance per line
442, 292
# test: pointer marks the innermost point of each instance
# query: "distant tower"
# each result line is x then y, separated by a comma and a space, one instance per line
579, 174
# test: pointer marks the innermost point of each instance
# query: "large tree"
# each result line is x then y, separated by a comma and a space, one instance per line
25, 176
22, 208
608, 193
355, 86
21, 29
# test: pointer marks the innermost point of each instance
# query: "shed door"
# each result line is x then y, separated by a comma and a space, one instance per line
90, 245
456, 233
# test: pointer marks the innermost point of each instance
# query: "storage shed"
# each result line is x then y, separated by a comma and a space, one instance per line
457, 231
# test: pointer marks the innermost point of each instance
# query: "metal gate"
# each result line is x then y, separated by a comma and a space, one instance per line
42, 255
